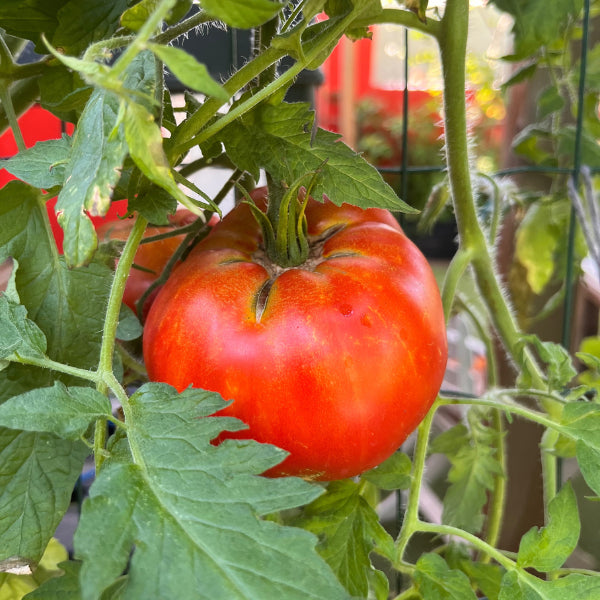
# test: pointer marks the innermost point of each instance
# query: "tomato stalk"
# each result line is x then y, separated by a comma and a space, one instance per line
109, 334
283, 226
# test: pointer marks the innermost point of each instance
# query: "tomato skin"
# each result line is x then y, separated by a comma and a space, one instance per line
152, 257
346, 358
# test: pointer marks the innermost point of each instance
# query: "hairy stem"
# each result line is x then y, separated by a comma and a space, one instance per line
516, 409
183, 27
549, 466
476, 542
406, 18
48, 363
5, 97
458, 265
148, 29
452, 41
181, 141
498, 501
23, 94
105, 367
411, 516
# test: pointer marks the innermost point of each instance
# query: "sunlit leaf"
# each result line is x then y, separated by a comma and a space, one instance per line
278, 138
538, 23
242, 14
189, 71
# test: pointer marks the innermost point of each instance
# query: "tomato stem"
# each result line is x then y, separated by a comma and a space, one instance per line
105, 366
6, 101
452, 42
411, 517
284, 228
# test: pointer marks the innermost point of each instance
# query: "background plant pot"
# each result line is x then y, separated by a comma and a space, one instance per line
440, 242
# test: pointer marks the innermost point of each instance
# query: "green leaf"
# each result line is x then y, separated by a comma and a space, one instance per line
472, 454
521, 74
560, 369
520, 585
581, 421
66, 412
379, 585
135, 17
549, 102
589, 355
18, 334
64, 93
242, 14
81, 22
548, 548
392, 474
349, 530
145, 147
68, 305
487, 577
129, 327
99, 150
43, 165
538, 239
532, 143
590, 151
29, 18
98, 154
187, 512
65, 587
92, 71
278, 138
588, 460
155, 205
39, 471
189, 71
435, 580
538, 23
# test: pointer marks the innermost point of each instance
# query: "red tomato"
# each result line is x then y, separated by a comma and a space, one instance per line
336, 361
151, 257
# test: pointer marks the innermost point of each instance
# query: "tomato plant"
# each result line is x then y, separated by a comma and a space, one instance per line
335, 360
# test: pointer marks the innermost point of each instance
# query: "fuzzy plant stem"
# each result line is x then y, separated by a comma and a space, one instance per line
452, 40
111, 322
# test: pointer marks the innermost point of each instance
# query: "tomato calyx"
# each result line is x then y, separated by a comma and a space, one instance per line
283, 225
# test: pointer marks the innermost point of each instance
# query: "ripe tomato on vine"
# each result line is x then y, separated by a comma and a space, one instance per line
335, 360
